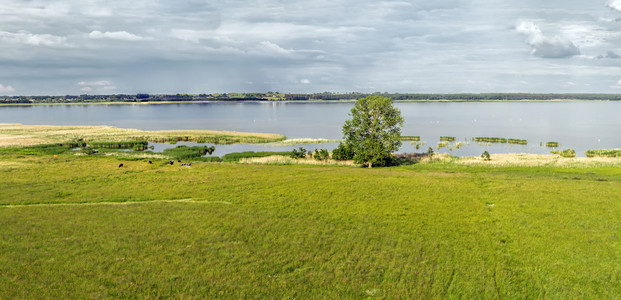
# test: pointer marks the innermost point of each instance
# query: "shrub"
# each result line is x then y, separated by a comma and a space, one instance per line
301, 153
486, 156
322, 154
343, 152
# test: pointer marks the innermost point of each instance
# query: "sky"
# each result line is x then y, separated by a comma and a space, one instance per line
206, 46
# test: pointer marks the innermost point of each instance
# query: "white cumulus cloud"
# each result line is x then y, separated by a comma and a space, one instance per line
6, 89
99, 86
27, 38
545, 45
615, 4
115, 35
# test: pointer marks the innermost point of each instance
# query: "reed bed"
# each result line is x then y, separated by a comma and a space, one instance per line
410, 138
490, 140
603, 153
237, 156
136, 145
12, 134
517, 141
552, 144
448, 138
289, 142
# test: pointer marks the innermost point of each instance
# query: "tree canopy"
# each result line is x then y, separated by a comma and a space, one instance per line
374, 130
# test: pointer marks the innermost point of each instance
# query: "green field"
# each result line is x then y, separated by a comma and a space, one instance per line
81, 227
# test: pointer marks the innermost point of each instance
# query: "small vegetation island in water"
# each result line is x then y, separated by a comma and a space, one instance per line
98, 222
276, 96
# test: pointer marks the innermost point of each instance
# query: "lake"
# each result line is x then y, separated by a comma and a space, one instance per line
579, 125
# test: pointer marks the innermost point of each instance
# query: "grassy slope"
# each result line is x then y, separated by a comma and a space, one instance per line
264, 231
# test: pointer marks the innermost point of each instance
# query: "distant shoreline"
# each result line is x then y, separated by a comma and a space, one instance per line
291, 101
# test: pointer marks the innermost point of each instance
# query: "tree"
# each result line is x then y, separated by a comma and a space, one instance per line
374, 131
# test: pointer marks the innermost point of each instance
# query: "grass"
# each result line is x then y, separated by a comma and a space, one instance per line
28, 135
447, 138
490, 140
517, 141
237, 156
552, 144
410, 138
289, 142
195, 153
80, 227
603, 153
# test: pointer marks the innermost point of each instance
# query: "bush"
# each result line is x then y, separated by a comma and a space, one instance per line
301, 153
486, 156
343, 152
322, 154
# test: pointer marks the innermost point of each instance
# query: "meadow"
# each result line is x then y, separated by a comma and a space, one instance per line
81, 227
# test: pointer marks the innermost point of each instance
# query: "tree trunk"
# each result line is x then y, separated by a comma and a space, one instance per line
370, 165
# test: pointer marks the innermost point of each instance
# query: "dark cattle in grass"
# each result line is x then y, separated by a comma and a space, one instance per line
150, 162
171, 162
121, 165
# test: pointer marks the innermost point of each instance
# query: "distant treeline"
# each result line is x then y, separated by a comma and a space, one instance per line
275, 96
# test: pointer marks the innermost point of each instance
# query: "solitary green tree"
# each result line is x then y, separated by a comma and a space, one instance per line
374, 130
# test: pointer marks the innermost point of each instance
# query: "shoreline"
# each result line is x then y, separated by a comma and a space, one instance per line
291, 101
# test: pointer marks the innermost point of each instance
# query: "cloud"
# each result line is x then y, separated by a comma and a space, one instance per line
305, 81
268, 47
94, 83
615, 4
547, 46
6, 89
609, 54
116, 35
27, 38
100, 86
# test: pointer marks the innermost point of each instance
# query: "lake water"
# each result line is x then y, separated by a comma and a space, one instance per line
579, 125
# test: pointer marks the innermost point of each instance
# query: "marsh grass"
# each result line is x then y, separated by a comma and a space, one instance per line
490, 140
448, 138
442, 229
410, 138
237, 156
603, 153
552, 144
194, 153
517, 141
28, 135
290, 142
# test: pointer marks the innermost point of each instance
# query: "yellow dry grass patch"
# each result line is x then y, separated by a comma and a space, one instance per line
7, 165
12, 134
278, 159
522, 159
